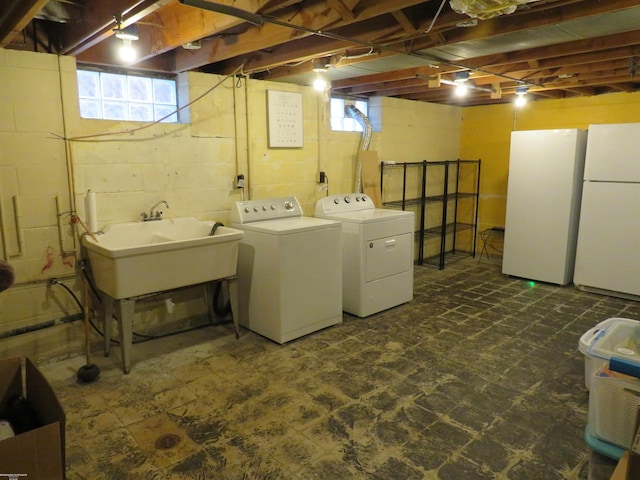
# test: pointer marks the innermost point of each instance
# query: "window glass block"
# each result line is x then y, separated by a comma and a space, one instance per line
88, 84
362, 106
140, 89
114, 86
164, 91
90, 108
349, 124
342, 121
115, 111
114, 96
337, 108
162, 111
337, 123
141, 112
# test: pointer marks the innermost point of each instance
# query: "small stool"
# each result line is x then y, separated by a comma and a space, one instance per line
491, 238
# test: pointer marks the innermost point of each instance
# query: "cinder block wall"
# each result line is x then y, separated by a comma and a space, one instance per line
192, 165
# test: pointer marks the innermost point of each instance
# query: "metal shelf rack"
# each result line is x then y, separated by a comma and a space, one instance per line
435, 188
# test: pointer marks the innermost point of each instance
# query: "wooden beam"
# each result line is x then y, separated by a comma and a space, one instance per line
305, 49
341, 8
404, 22
275, 5
172, 26
15, 15
98, 20
267, 36
533, 18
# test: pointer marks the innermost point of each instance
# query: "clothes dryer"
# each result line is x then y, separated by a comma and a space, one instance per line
377, 252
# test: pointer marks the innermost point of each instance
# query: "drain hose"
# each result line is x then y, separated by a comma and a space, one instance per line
215, 227
220, 310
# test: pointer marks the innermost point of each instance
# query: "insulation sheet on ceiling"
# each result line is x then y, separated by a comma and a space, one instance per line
484, 9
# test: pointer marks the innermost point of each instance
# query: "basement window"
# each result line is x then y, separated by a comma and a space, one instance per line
114, 96
341, 121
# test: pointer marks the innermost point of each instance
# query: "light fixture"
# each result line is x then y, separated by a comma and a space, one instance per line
460, 82
461, 90
128, 35
521, 96
320, 83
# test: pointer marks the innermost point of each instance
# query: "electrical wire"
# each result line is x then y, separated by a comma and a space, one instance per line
90, 138
259, 20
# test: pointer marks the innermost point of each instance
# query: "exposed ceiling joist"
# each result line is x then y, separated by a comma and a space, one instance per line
559, 48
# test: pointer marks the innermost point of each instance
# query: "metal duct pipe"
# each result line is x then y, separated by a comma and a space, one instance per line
362, 119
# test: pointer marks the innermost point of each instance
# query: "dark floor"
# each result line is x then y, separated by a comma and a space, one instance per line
479, 377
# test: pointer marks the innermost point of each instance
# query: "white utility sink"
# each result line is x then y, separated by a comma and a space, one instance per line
139, 258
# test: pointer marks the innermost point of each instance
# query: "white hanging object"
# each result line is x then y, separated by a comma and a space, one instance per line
91, 211
484, 9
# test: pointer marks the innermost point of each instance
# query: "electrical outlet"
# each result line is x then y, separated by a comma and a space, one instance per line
323, 177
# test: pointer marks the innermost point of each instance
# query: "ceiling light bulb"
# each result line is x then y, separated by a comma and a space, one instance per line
319, 84
127, 52
521, 96
461, 90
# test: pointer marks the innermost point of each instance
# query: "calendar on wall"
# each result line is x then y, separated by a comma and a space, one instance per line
284, 110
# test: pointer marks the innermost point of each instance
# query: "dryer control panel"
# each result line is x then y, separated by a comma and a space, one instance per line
346, 202
269, 209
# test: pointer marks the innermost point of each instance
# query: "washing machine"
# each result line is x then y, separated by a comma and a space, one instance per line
289, 269
377, 253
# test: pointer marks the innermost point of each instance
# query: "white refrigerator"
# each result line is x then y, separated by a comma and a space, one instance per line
543, 204
608, 252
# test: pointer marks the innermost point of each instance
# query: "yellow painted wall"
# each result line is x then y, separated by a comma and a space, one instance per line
486, 134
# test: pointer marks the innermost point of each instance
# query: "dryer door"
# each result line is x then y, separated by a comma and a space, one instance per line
388, 256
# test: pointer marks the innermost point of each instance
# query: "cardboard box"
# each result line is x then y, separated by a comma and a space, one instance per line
620, 473
38, 453
633, 467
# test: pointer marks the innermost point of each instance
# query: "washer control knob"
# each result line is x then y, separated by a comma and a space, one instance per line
255, 209
336, 201
347, 199
288, 205
264, 208
273, 207
247, 209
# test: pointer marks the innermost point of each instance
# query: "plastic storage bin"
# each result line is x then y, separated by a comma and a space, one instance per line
613, 404
608, 450
614, 337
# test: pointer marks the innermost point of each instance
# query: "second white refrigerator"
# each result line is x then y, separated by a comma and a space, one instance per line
608, 252
543, 204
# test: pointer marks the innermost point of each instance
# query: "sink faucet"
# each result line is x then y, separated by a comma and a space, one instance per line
147, 217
